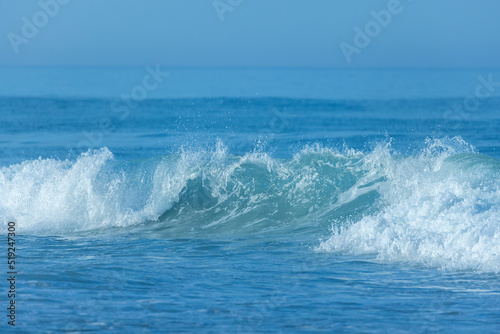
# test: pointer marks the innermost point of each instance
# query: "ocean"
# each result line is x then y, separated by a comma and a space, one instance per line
157, 200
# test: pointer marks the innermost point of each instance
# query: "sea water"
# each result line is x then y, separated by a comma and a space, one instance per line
252, 200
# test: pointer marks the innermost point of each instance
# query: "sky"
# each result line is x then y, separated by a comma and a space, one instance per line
251, 33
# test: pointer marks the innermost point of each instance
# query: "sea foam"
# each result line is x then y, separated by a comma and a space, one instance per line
436, 208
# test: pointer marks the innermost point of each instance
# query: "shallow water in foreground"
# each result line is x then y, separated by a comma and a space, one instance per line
241, 285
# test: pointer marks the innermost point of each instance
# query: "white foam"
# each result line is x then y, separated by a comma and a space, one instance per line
91, 192
439, 209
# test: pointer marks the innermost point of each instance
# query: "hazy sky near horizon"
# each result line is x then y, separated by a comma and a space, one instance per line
305, 33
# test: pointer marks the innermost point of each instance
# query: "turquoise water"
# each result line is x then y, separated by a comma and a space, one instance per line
252, 201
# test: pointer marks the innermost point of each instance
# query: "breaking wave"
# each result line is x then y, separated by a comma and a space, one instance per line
437, 208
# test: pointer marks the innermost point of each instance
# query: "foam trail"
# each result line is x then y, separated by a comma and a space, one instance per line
439, 209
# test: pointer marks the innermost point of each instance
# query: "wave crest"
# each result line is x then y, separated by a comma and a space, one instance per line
437, 208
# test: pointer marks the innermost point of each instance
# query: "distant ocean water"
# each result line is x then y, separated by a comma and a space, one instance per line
253, 200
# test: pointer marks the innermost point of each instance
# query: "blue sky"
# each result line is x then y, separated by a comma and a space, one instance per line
305, 33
